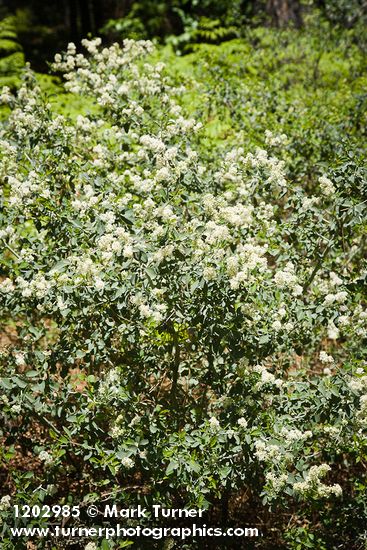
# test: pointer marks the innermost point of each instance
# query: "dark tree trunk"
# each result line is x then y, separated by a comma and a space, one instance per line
284, 12
99, 15
85, 18
73, 20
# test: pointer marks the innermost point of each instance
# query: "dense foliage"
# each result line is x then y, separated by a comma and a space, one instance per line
184, 305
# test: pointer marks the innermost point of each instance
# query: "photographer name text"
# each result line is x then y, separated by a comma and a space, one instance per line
106, 511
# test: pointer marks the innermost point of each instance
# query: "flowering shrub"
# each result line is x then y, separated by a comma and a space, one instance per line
180, 330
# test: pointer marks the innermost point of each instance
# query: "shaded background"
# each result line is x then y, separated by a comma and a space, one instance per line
44, 27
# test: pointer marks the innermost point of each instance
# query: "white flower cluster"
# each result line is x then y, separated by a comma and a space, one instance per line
127, 462
326, 185
4, 399
242, 422
362, 412
38, 287
6, 286
110, 385
358, 383
339, 297
6, 96
281, 450
332, 431
247, 265
266, 452
294, 435
275, 140
117, 429
276, 482
87, 75
360, 320
266, 378
153, 313
332, 331
214, 423
287, 278
269, 171
5, 502
312, 484
325, 358
279, 318
46, 458
19, 359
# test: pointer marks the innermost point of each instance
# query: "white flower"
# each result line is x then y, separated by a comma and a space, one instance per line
46, 457
325, 491
128, 251
71, 49
116, 431
329, 299
294, 435
312, 483
356, 385
277, 482
5, 502
282, 312
61, 304
297, 290
363, 404
242, 422
284, 279
341, 296
308, 202
5, 95
216, 232
332, 331
266, 377
331, 430
265, 452
275, 140
99, 284
326, 186
163, 174
6, 286
145, 310
325, 358
4, 399
214, 423
209, 273
276, 325
127, 462
16, 408
90, 546
20, 359
344, 320
335, 280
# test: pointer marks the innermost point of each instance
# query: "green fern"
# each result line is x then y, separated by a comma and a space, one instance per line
213, 31
11, 54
